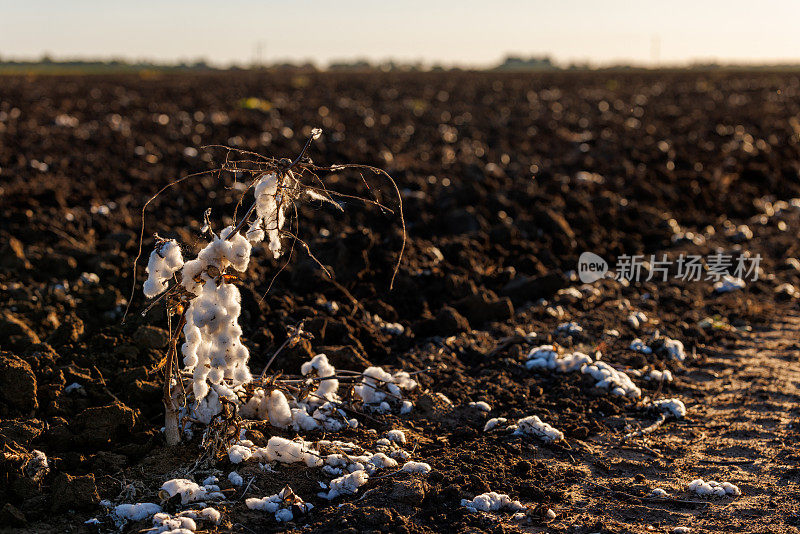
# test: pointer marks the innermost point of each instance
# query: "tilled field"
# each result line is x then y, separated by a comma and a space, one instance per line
505, 181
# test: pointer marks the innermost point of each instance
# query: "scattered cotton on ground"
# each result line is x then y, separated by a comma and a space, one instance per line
534, 426
713, 488
492, 502
674, 407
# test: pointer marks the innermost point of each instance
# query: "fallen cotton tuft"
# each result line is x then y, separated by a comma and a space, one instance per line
492, 502
673, 407
533, 426
190, 491
280, 504
713, 488
136, 512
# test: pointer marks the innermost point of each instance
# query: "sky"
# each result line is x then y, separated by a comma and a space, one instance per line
466, 33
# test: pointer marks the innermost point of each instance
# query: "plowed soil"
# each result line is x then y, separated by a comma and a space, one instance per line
505, 180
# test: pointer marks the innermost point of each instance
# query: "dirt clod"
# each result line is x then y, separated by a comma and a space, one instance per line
74, 492
17, 386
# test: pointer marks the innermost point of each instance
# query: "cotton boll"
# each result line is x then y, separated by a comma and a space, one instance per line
660, 493
397, 436
136, 512
164, 523
491, 424
492, 502
235, 478
419, 468
404, 381
368, 389
713, 488
569, 329
190, 491
237, 454
675, 349
381, 461
164, 262
211, 514
326, 390
637, 319
545, 357
481, 406
278, 411
534, 426
265, 504
255, 234
406, 407
731, 489
639, 346
674, 407
301, 420
609, 378
281, 504
215, 376
239, 252
270, 213
284, 514
346, 485
546, 352
286, 451
659, 376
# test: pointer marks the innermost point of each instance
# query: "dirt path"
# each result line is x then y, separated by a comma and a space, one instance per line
743, 404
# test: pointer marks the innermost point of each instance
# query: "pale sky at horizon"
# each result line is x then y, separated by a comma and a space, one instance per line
466, 33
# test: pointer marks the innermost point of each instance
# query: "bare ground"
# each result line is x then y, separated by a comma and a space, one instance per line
742, 427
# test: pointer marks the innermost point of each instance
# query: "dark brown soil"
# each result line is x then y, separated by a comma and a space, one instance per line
497, 215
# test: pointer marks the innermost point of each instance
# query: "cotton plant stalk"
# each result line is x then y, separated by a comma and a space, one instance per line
201, 292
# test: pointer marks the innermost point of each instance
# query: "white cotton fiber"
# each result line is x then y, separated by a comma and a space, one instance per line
136, 512
213, 349
637, 319
190, 491
280, 504
617, 382
419, 468
326, 389
481, 406
492, 423
164, 262
378, 385
165, 523
286, 451
398, 436
346, 485
640, 346
544, 358
235, 478
533, 426
674, 407
569, 329
280, 415
492, 502
713, 488
270, 214
658, 376
675, 349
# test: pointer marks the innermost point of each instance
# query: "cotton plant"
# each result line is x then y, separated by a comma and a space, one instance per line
202, 292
